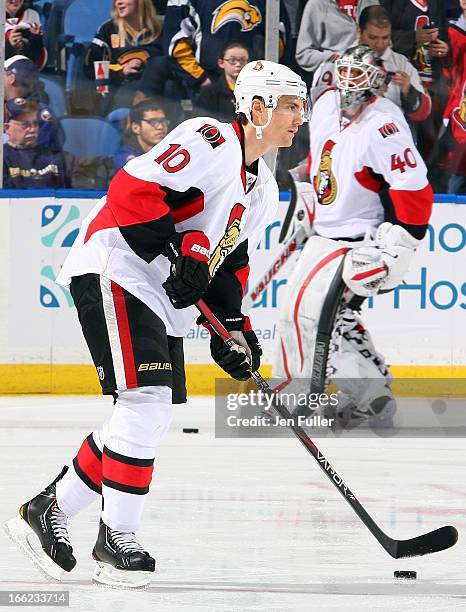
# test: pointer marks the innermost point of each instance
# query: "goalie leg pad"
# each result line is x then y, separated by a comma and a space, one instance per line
300, 314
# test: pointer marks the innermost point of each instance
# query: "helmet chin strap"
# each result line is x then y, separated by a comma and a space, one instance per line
259, 128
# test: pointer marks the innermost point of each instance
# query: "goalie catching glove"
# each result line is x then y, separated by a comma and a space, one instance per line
382, 263
189, 272
240, 360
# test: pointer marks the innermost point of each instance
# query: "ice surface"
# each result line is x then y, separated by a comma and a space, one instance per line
249, 525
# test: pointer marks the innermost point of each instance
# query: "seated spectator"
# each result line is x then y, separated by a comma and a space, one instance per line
328, 27
148, 125
196, 30
217, 99
128, 40
404, 88
23, 33
454, 115
27, 165
21, 84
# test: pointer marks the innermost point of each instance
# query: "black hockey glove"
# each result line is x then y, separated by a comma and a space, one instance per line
189, 272
237, 361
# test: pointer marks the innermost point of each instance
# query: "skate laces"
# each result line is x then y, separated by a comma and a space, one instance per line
126, 542
58, 520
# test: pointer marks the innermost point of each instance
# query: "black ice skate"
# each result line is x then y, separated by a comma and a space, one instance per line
41, 519
121, 560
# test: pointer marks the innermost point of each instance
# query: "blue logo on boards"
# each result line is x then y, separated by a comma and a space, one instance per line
59, 228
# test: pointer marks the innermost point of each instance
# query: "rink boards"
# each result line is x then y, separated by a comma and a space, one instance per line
419, 327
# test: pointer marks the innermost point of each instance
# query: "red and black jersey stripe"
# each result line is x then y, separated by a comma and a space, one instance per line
127, 474
145, 212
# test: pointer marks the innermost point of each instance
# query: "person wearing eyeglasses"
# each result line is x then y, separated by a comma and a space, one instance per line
217, 99
147, 126
26, 164
194, 32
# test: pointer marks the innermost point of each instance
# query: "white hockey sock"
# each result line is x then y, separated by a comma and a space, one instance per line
72, 494
141, 419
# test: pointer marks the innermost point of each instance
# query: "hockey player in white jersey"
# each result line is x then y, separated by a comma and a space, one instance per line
372, 205
177, 223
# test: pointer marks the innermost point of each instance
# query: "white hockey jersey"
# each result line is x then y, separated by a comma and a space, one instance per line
351, 163
197, 174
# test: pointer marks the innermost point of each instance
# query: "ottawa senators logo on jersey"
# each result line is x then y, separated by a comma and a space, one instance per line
228, 240
325, 184
458, 124
460, 111
246, 14
211, 134
388, 129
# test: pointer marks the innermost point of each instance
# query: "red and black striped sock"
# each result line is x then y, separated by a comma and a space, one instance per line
127, 474
88, 464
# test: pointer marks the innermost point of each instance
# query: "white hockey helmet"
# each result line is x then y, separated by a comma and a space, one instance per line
359, 74
268, 81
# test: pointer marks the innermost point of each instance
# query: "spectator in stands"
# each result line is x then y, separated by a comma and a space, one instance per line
23, 33
328, 27
420, 33
148, 125
196, 30
217, 99
21, 84
128, 40
405, 88
27, 165
454, 115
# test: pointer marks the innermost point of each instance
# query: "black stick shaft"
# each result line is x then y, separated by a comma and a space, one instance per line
436, 540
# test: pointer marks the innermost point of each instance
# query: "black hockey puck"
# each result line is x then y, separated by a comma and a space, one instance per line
405, 575
190, 430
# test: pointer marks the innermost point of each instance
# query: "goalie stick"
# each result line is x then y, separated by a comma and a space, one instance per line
433, 541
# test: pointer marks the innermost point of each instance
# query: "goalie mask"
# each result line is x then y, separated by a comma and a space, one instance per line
358, 75
268, 81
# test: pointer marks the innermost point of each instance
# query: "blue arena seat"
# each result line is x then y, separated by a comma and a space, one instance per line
56, 95
89, 136
81, 21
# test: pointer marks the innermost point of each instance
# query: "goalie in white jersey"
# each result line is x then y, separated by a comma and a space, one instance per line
369, 201
178, 223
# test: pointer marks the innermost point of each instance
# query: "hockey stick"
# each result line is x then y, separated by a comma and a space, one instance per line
290, 247
325, 327
434, 541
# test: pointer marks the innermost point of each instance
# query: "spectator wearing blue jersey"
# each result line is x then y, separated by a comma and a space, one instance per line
128, 41
26, 164
196, 30
21, 85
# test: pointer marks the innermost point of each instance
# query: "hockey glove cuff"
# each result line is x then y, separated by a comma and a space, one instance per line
189, 271
241, 359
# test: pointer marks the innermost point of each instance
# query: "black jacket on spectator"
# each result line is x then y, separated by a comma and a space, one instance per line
35, 168
403, 15
106, 45
216, 100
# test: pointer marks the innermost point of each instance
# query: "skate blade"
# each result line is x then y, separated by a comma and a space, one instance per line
24, 537
107, 576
